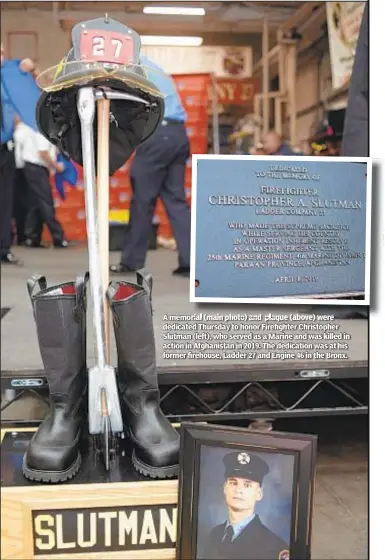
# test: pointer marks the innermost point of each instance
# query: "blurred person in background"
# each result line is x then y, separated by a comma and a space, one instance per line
158, 170
356, 130
333, 147
306, 148
355, 141
319, 148
244, 132
8, 111
20, 188
257, 150
326, 140
39, 157
274, 145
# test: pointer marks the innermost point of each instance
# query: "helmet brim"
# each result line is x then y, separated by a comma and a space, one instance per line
58, 102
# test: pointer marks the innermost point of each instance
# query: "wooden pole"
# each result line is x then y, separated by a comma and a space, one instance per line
265, 75
281, 81
278, 114
291, 71
281, 63
257, 113
103, 205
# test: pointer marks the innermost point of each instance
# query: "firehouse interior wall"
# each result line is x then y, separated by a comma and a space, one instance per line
51, 39
313, 77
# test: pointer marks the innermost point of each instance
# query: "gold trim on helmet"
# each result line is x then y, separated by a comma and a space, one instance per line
60, 68
49, 80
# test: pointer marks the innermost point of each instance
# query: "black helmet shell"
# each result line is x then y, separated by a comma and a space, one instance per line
91, 62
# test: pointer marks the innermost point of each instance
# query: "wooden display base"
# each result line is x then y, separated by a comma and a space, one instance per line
115, 515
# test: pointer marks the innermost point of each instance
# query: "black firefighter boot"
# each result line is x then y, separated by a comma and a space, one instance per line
156, 443
60, 315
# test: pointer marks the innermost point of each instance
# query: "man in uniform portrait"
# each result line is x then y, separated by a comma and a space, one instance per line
243, 535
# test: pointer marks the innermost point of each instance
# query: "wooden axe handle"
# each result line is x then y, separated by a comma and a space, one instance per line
103, 205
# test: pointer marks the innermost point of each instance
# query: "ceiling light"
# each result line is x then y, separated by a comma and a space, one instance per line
171, 41
174, 11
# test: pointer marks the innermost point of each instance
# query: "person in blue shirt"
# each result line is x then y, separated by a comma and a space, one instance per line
158, 170
7, 161
243, 535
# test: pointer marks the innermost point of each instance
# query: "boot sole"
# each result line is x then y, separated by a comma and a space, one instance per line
52, 477
154, 472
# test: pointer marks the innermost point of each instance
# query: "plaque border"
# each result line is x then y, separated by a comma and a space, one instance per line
329, 299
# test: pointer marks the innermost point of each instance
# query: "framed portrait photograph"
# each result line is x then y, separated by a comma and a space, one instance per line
245, 494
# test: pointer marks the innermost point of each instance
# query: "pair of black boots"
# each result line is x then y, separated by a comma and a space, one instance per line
60, 315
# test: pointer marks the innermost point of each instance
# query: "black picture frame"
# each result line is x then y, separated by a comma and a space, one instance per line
303, 447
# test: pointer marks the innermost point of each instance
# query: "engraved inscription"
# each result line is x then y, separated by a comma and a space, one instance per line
293, 246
